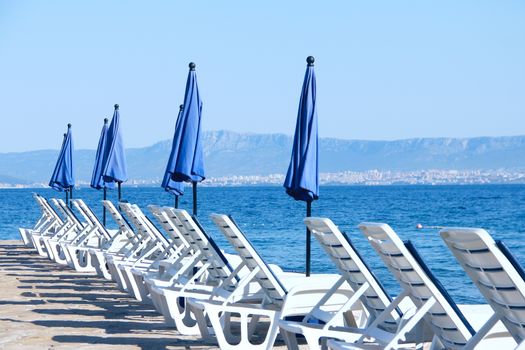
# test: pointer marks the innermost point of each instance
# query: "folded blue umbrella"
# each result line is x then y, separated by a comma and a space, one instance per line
174, 187
54, 175
302, 178
97, 182
186, 162
114, 169
62, 177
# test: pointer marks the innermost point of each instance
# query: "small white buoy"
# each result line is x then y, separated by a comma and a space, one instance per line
419, 226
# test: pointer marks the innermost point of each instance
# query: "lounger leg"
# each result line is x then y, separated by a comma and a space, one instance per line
205, 330
290, 339
185, 320
217, 314
411, 323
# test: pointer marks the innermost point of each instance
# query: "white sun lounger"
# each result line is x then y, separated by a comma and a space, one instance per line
123, 242
158, 249
44, 223
495, 271
141, 243
77, 250
55, 227
285, 295
75, 230
368, 292
434, 305
216, 276
151, 249
172, 256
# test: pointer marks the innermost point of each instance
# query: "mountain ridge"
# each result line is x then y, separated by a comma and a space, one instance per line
230, 153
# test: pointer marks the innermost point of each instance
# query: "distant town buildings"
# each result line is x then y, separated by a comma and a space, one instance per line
365, 178
376, 178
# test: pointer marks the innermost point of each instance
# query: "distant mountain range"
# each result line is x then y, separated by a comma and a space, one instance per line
230, 153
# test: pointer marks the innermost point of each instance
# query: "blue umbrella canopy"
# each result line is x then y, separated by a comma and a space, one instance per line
186, 162
97, 181
302, 178
171, 186
62, 177
114, 169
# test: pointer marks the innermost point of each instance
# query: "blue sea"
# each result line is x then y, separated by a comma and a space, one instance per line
273, 221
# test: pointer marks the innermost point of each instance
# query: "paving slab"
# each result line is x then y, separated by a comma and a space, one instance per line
44, 305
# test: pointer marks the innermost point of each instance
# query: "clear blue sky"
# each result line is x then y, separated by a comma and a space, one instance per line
385, 69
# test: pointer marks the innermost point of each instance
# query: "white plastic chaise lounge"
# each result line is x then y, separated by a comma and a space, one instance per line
97, 236
157, 249
76, 229
450, 328
49, 224
285, 295
140, 243
56, 226
177, 252
496, 272
216, 276
152, 248
368, 291
45, 222
124, 242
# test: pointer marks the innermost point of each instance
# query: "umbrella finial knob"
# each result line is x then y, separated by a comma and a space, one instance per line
105, 120
192, 66
69, 125
181, 107
310, 60
116, 105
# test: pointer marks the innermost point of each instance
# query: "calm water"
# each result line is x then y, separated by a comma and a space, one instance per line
273, 221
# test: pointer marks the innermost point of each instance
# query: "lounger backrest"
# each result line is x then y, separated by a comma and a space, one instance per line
124, 226
356, 272
271, 285
444, 317
53, 204
91, 217
171, 230
134, 215
495, 271
46, 207
68, 213
45, 212
154, 230
170, 215
219, 265
86, 218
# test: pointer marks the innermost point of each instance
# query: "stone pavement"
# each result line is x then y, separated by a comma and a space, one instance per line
47, 306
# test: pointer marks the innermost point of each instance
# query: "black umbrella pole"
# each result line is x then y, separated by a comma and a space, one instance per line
67, 197
195, 198
308, 238
176, 202
70, 195
104, 208
119, 192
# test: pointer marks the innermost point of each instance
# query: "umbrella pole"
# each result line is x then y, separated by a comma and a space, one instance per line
194, 198
176, 202
308, 238
104, 207
119, 192
70, 195
67, 197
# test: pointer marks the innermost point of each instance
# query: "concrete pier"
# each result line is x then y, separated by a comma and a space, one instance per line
47, 306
